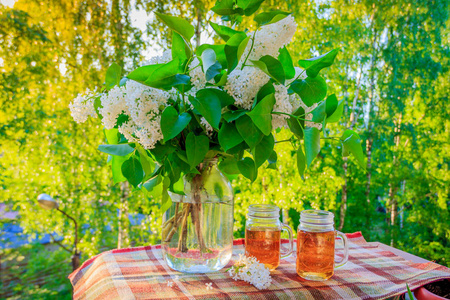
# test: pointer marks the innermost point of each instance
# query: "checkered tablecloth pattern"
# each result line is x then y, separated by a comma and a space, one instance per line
141, 273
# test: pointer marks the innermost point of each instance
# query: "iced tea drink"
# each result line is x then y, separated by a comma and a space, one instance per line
264, 244
263, 235
315, 254
316, 238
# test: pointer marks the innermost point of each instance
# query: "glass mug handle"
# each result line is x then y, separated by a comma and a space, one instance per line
345, 241
291, 241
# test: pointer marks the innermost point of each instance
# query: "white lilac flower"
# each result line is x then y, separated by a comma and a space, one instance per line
82, 106
251, 271
282, 104
113, 104
209, 129
270, 38
169, 283
144, 105
209, 286
198, 78
243, 85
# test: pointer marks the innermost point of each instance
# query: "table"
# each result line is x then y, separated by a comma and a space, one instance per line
374, 271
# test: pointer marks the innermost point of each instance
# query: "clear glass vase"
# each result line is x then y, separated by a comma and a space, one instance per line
197, 233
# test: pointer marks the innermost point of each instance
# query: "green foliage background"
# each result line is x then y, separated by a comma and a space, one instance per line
393, 74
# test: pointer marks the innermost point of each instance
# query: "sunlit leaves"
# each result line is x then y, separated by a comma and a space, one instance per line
211, 67
172, 123
249, 131
118, 150
247, 168
234, 48
113, 75
179, 25
229, 137
196, 148
314, 65
267, 17
132, 170
351, 143
310, 90
312, 144
272, 67
261, 115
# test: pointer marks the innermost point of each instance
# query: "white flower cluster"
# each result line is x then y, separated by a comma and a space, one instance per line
198, 78
243, 85
270, 38
282, 104
143, 106
251, 271
82, 106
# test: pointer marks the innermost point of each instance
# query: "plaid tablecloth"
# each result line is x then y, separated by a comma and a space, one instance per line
141, 273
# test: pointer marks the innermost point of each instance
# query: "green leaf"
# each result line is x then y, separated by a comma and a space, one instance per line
132, 170
331, 105
143, 73
310, 90
196, 148
224, 98
113, 75
116, 168
247, 168
224, 7
148, 165
286, 61
351, 143
232, 115
249, 131
295, 125
263, 150
267, 17
154, 186
119, 150
272, 67
261, 115
179, 25
112, 136
166, 202
410, 295
162, 150
266, 89
153, 182
218, 49
272, 161
208, 105
301, 162
211, 67
337, 113
314, 65
180, 50
249, 6
312, 144
223, 31
229, 166
172, 123
234, 48
166, 76
319, 113
229, 137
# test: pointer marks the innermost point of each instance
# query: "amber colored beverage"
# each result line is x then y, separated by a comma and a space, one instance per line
315, 254
264, 244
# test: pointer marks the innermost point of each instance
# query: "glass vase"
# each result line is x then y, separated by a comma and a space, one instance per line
197, 233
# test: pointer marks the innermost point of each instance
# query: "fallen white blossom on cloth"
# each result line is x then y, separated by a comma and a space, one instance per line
252, 271
169, 283
209, 286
